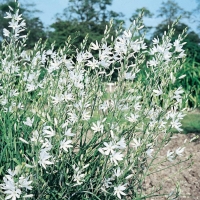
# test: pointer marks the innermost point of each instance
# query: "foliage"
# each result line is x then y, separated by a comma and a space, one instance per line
88, 10
34, 26
80, 30
190, 82
194, 18
170, 11
143, 12
191, 122
83, 18
63, 138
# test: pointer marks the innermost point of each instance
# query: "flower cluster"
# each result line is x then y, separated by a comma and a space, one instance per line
75, 136
16, 187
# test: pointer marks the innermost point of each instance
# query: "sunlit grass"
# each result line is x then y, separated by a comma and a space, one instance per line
191, 122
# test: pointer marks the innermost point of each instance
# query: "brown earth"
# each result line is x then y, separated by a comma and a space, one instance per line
189, 178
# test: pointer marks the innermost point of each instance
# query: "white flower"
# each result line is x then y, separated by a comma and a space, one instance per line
29, 121
23, 182
49, 52
182, 76
135, 46
46, 145
48, 131
127, 34
28, 196
16, 16
104, 106
179, 91
11, 173
149, 152
43, 158
117, 172
158, 92
162, 124
14, 24
10, 188
73, 117
153, 62
65, 144
68, 97
57, 99
79, 178
31, 87
13, 194
9, 183
176, 124
179, 151
6, 32
79, 175
116, 156
137, 106
119, 190
107, 182
136, 143
85, 115
177, 94
105, 63
129, 76
101, 151
69, 133
98, 127
121, 144
109, 148
178, 46
133, 118
155, 41
94, 46
181, 55
170, 155
167, 55
93, 64
36, 137
23, 140
8, 15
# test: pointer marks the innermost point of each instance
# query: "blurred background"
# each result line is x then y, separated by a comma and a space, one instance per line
53, 21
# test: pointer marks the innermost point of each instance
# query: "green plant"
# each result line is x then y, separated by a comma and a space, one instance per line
62, 137
190, 82
191, 122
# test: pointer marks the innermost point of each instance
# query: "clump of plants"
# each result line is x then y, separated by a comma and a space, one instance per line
65, 135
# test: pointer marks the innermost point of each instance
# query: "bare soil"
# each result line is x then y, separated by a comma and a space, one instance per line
189, 178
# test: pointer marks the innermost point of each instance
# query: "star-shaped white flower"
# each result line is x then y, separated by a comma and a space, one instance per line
44, 158
65, 145
119, 191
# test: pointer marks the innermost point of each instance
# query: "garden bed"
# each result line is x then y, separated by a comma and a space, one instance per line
189, 178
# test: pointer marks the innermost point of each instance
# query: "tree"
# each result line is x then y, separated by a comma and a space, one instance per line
144, 13
34, 25
82, 18
196, 14
88, 10
170, 11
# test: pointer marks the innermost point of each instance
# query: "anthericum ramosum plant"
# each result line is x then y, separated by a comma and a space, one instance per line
65, 135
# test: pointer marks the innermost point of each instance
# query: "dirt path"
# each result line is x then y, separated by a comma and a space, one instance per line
189, 178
